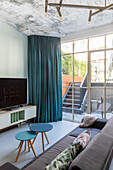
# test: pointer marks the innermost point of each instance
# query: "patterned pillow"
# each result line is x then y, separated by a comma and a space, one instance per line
83, 138
64, 159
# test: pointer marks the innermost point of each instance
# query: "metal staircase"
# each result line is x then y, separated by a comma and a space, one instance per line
80, 98
67, 100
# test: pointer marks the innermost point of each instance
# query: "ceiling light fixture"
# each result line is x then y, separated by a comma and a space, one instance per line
46, 7
91, 13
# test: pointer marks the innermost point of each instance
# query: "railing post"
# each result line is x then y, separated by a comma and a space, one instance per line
89, 82
73, 87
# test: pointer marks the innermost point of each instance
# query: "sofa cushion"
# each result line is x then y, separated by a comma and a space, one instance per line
108, 129
8, 166
110, 121
83, 138
45, 159
79, 130
95, 155
64, 159
99, 123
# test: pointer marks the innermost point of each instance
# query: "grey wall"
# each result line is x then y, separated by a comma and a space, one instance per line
13, 52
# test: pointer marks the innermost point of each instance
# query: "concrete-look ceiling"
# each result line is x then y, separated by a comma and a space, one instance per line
17, 13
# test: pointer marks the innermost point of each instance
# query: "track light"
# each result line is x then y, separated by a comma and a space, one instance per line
90, 14
45, 14
61, 17
46, 7
58, 9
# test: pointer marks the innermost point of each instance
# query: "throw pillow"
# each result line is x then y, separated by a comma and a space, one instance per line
88, 120
83, 138
64, 159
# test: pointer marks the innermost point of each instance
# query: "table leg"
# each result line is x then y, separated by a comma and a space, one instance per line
25, 146
43, 141
28, 146
46, 137
32, 148
21, 143
34, 139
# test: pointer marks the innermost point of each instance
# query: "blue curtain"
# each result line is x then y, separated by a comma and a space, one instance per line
44, 77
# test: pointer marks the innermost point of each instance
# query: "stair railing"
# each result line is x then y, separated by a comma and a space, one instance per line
82, 88
83, 105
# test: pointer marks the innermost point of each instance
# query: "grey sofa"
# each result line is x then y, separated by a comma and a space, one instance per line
96, 156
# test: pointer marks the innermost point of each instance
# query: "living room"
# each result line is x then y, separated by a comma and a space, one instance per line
56, 70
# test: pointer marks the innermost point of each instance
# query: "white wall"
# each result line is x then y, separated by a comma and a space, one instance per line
88, 33
13, 52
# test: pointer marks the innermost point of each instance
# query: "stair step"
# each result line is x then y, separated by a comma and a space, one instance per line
69, 110
70, 104
70, 93
75, 97
77, 83
75, 90
75, 100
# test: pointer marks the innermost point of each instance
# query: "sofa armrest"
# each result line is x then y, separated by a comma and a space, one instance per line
8, 166
96, 156
99, 123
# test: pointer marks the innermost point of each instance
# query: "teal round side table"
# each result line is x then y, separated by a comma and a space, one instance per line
41, 128
25, 136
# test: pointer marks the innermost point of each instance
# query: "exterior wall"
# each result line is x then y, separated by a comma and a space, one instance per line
67, 79
97, 93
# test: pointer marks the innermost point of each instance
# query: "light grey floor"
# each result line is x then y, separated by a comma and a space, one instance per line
8, 143
78, 117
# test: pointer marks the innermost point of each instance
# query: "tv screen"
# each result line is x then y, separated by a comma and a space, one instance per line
13, 91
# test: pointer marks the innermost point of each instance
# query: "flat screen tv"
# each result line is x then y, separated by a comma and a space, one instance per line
13, 92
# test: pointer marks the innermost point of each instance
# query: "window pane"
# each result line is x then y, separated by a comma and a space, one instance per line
109, 66
97, 102
97, 43
80, 45
109, 103
109, 41
67, 64
80, 65
67, 86
97, 68
67, 47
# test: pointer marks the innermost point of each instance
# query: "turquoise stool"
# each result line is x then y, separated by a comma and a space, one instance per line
23, 137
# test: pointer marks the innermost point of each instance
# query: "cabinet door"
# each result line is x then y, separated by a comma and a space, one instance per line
30, 112
4, 120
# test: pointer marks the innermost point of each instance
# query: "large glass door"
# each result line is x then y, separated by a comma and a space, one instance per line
87, 78
67, 79
80, 78
109, 76
97, 84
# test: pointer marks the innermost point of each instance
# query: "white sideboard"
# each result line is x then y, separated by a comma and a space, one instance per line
15, 116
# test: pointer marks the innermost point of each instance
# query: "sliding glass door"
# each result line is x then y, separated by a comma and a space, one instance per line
87, 77
67, 79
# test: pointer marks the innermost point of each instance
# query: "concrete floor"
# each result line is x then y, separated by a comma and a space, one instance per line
78, 117
8, 143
